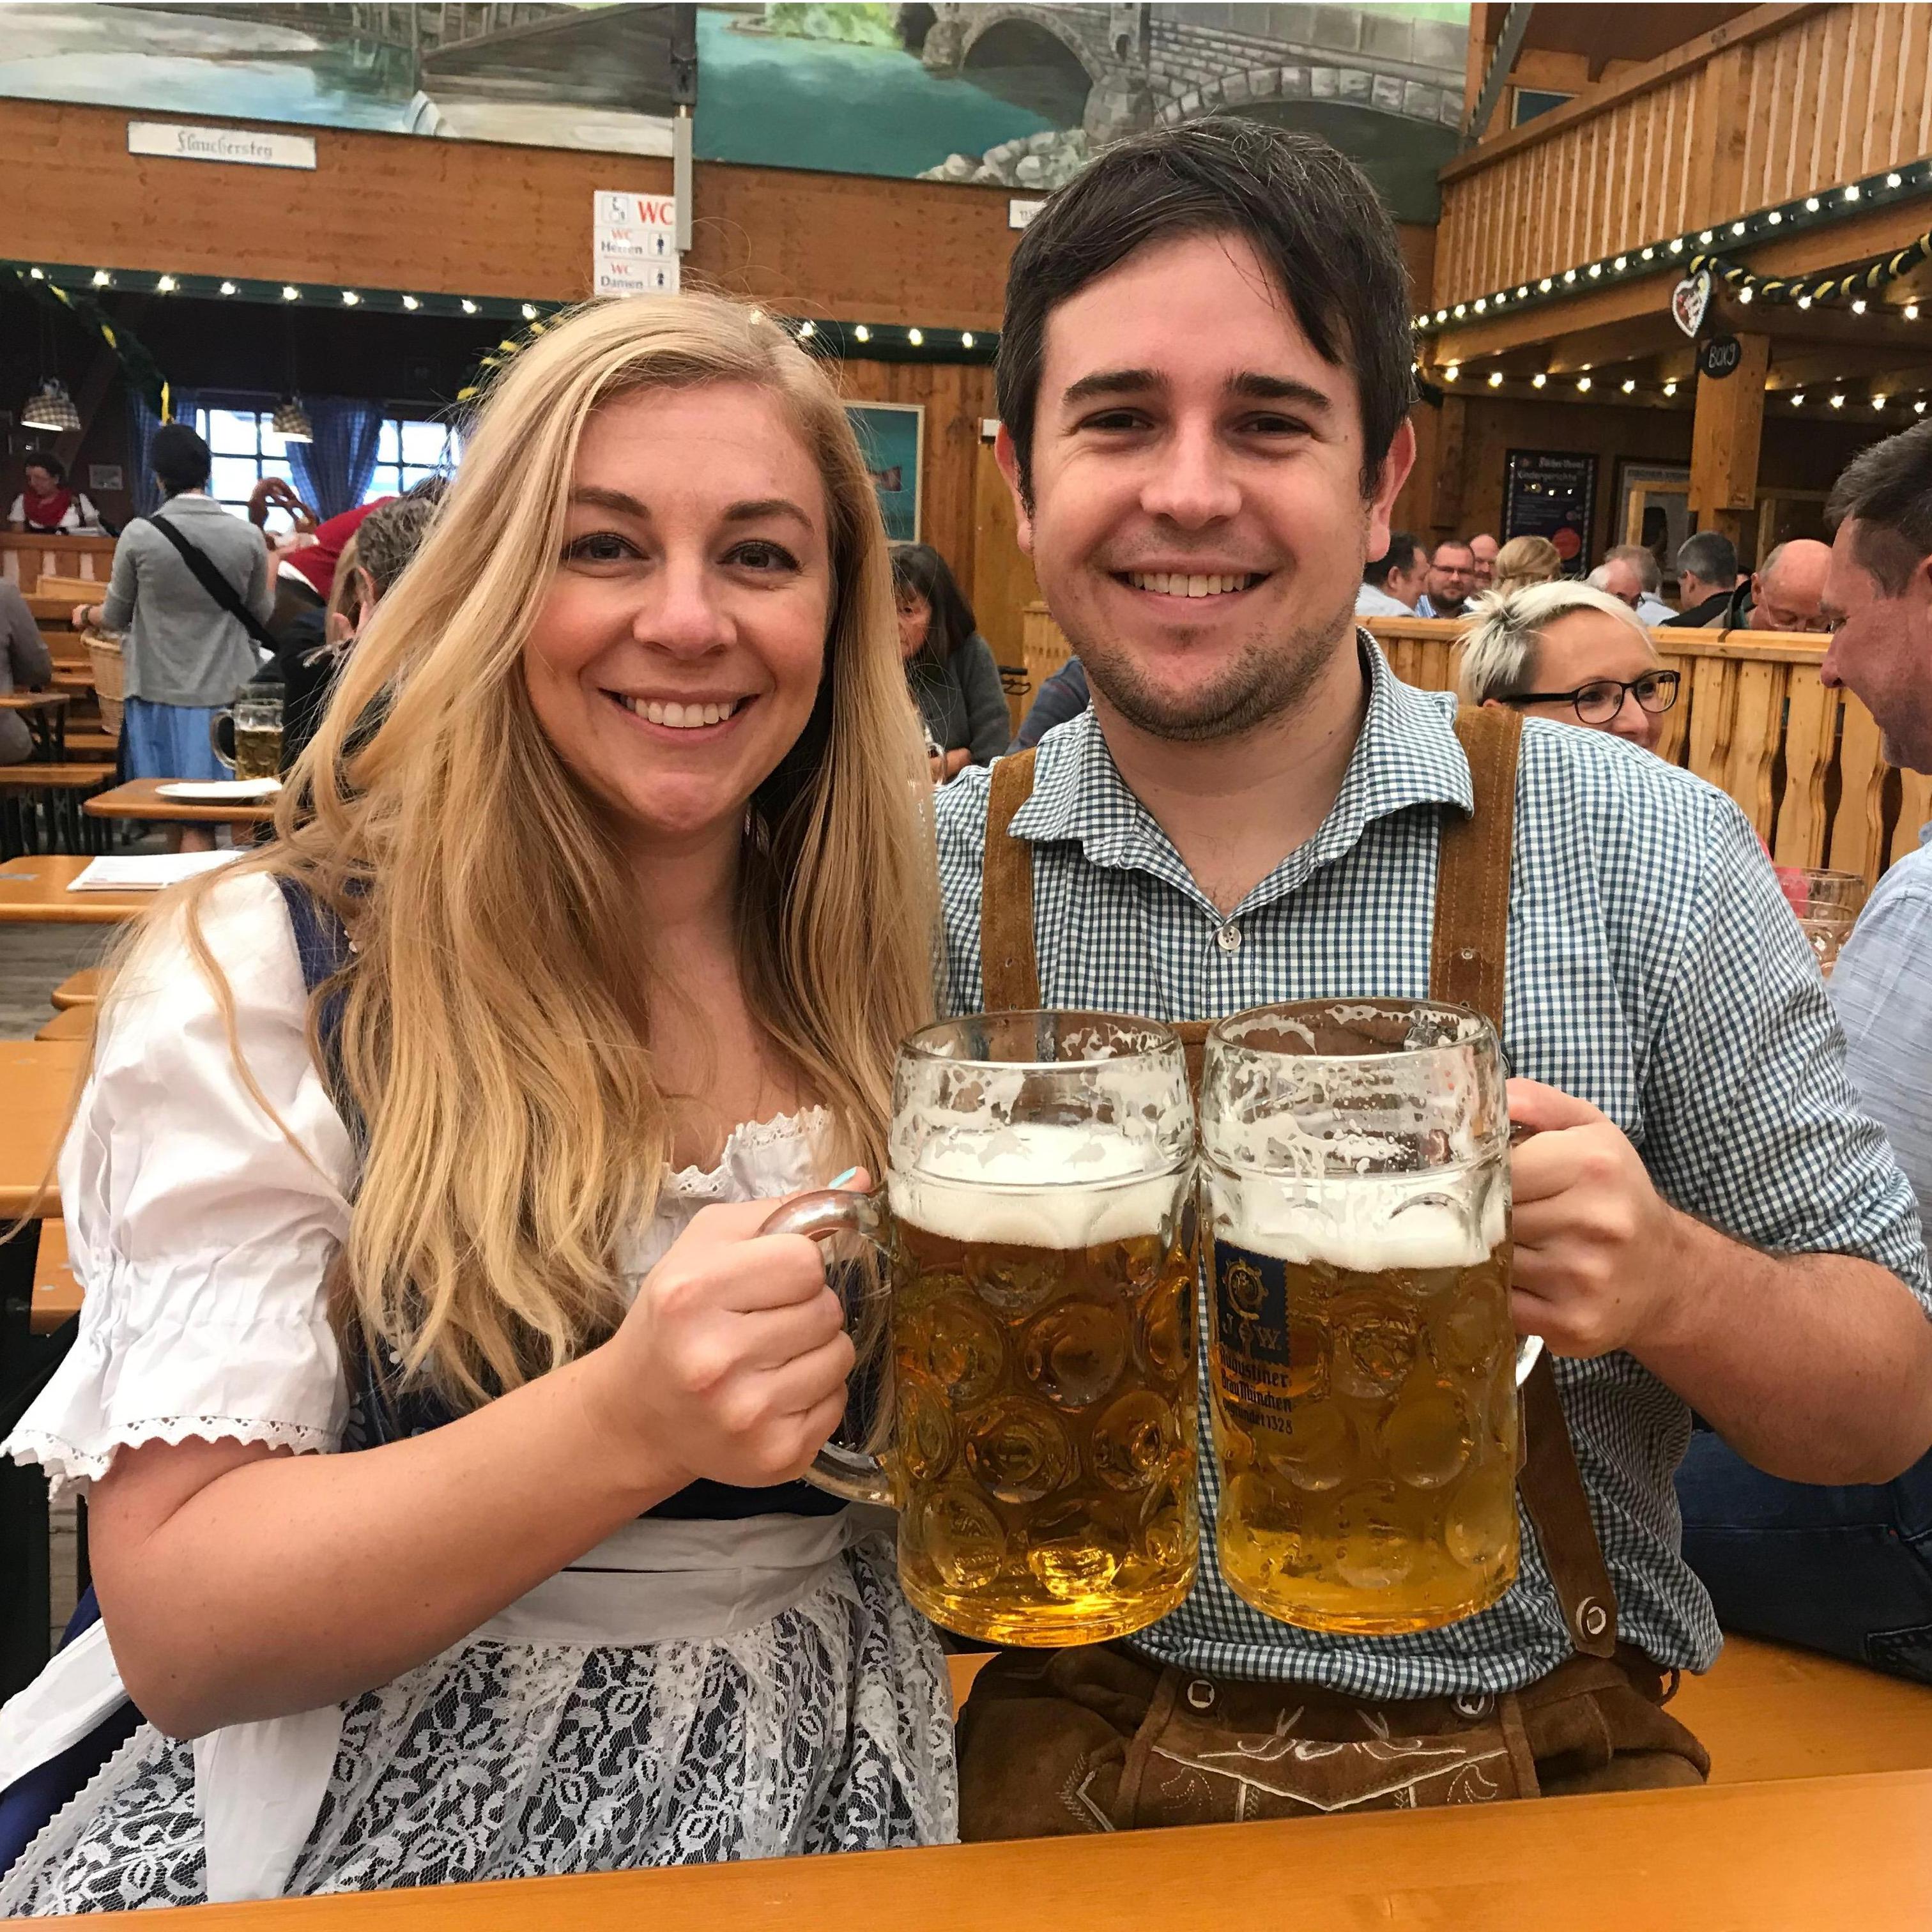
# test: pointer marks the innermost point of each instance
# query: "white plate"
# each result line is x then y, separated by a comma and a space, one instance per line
219, 791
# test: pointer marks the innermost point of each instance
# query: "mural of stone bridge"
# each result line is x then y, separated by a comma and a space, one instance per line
1154, 64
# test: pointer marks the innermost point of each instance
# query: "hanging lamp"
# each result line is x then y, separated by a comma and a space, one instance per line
291, 421
50, 407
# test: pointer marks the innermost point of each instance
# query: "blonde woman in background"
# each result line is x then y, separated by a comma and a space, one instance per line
441, 1131
1524, 561
1565, 651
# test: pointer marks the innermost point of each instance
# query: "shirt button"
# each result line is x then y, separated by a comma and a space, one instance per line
1229, 938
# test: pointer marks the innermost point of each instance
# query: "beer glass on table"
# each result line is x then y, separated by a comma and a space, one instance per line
1363, 1367
1038, 1223
253, 732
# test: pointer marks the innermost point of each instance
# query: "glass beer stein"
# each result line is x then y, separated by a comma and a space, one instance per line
1038, 1221
253, 731
1363, 1366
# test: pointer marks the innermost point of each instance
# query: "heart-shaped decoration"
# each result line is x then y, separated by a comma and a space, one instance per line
1689, 301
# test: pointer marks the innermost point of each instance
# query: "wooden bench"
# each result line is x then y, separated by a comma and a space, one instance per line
58, 790
1767, 1712
92, 744
70, 1023
82, 988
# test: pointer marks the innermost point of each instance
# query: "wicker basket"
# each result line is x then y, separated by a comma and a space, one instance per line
110, 671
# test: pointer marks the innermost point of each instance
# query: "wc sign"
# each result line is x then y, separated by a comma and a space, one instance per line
634, 244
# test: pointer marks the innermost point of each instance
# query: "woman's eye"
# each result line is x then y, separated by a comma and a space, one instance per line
598, 546
762, 555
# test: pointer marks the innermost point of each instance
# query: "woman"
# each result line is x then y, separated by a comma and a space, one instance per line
590, 973
950, 667
1566, 652
1524, 561
47, 507
26, 665
188, 650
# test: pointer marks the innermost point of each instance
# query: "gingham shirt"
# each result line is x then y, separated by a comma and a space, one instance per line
1655, 970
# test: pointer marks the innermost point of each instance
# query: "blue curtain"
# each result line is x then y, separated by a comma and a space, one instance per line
333, 471
141, 424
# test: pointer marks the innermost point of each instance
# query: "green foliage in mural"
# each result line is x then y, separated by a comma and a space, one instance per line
868, 26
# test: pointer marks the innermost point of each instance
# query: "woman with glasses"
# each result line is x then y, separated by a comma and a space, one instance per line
1566, 651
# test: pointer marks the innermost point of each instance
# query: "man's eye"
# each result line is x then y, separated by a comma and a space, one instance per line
1114, 419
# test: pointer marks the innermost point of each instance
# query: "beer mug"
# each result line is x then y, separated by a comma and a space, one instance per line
1038, 1224
1363, 1367
250, 746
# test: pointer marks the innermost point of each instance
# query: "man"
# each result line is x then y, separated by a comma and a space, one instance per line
1650, 607
1392, 585
1848, 1570
1204, 375
1451, 581
1707, 578
1482, 550
1788, 588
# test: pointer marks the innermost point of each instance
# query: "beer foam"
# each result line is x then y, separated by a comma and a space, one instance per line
1037, 1186
1369, 1227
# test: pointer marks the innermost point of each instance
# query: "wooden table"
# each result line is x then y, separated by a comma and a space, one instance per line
45, 712
33, 891
1814, 1855
139, 798
37, 1077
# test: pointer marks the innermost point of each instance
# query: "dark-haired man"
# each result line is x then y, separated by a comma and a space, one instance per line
1707, 580
1392, 584
1204, 384
1451, 581
1849, 1569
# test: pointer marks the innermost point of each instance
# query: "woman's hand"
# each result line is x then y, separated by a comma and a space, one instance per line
732, 1362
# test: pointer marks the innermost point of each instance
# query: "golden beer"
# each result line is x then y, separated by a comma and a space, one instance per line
1366, 1421
1044, 1388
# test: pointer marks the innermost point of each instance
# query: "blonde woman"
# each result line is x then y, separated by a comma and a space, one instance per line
1524, 561
441, 1131
1566, 652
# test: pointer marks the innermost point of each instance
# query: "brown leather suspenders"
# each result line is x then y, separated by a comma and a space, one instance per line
1466, 968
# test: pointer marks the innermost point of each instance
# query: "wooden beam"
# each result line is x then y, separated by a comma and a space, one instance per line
1445, 505
1725, 433
1645, 335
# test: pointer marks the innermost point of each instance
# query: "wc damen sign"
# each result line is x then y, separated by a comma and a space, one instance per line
251, 147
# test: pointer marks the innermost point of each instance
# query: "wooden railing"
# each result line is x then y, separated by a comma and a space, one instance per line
24, 560
1753, 716
1784, 100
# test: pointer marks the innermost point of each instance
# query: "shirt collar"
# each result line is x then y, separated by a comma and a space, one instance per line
1408, 754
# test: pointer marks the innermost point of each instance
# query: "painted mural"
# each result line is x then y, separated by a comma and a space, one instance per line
1017, 94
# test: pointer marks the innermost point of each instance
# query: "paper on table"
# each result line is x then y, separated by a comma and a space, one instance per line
147, 871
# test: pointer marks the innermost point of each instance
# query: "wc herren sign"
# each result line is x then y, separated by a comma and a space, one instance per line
251, 147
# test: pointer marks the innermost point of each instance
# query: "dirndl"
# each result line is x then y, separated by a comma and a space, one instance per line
169, 741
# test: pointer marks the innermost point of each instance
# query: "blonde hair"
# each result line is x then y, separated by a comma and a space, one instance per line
1524, 561
1498, 657
494, 1025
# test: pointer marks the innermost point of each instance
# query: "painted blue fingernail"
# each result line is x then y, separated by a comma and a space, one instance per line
850, 1174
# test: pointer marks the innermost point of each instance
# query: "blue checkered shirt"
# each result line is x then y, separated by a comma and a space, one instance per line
1654, 969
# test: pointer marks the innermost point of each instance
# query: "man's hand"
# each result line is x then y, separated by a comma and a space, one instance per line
1595, 1244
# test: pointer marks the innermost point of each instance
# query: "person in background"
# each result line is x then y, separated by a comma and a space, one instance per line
1650, 607
1524, 561
186, 656
950, 667
1393, 584
1568, 652
1848, 1571
1787, 589
1707, 581
1062, 696
26, 665
1483, 552
1452, 581
47, 507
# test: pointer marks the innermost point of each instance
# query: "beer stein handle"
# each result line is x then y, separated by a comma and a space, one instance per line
214, 735
857, 1474
1528, 1348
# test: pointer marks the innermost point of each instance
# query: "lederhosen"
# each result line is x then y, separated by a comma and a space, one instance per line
1057, 1743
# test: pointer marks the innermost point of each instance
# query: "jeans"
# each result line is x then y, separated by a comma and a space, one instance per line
1847, 1571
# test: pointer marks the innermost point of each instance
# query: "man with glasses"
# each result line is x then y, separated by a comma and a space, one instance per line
1452, 581
1788, 588
1570, 652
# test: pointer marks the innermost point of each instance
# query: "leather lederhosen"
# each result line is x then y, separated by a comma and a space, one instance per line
1104, 1739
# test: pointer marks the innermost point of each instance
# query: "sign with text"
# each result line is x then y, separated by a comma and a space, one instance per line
1020, 213
1718, 356
1552, 493
634, 244
250, 147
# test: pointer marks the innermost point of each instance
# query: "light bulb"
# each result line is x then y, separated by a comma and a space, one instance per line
1879, 402
1621, 263
228, 288
1737, 228
1892, 180
1798, 400
1483, 303
1677, 245
410, 302
1495, 378
1596, 269
1522, 293
1804, 301
1773, 217
807, 329
529, 311
1918, 407
1705, 236
1649, 253
1583, 382
1911, 311
916, 338
864, 333
1810, 204
1441, 315
1629, 385
1544, 285
1837, 402
1851, 192
1454, 370
1858, 307
468, 307
1744, 294
102, 279
1670, 388
1462, 309
290, 294
965, 338
167, 286
350, 297
1537, 381
1569, 275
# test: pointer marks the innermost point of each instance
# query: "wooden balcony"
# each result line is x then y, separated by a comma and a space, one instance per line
1781, 102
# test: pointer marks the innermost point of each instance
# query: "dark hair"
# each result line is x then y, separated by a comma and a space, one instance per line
1403, 547
45, 459
1712, 556
1309, 213
390, 535
179, 458
1887, 491
920, 567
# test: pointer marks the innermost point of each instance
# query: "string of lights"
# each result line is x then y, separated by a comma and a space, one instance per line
1823, 399
1680, 254
875, 341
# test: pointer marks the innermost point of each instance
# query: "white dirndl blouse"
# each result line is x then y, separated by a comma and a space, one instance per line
689, 1691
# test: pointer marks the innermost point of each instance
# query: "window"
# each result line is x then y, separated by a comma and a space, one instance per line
407, 450
1531, 101
245, 448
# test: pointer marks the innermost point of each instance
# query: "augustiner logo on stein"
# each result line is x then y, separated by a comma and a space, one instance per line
1363, 1367
1040, 1232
